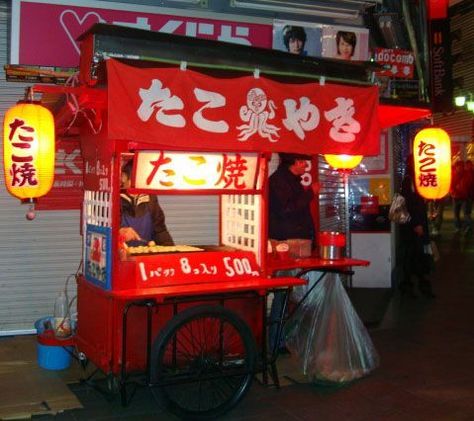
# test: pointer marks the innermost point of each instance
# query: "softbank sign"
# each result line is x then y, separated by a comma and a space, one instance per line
441, 82
44, 33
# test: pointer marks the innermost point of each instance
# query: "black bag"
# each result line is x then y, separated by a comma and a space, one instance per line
398, 212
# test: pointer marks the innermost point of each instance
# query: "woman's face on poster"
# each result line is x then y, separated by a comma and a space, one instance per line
345, 49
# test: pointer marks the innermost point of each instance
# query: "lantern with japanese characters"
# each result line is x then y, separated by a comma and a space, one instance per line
28, 150
432, 162
343, 162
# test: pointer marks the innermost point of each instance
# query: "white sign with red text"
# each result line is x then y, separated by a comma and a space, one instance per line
159, 170
399, 63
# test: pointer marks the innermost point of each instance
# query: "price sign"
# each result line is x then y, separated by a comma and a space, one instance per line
196, 267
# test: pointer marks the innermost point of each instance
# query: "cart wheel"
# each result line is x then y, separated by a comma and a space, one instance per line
203, 362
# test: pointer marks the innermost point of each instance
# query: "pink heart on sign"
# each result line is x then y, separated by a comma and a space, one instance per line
74, 26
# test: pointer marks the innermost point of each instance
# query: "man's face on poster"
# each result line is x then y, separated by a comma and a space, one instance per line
295, 46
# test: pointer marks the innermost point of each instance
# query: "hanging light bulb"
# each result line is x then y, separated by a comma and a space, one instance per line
460, 101
343, 161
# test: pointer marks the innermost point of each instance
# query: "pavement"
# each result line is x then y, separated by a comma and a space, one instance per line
426, 349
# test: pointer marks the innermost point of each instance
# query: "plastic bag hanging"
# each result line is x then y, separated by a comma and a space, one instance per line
328, 337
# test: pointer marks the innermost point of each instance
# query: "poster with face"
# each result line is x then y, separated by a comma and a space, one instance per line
300, 38
345, 43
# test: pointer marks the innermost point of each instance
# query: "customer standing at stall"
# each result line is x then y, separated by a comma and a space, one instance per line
414, 236
289, 212
142, 218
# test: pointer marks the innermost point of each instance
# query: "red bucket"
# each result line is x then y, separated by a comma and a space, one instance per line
331, 245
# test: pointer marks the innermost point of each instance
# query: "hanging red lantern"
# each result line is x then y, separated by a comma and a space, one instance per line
343, 162
28, 150
432, 162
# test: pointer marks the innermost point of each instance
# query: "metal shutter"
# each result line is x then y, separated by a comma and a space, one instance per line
36, 257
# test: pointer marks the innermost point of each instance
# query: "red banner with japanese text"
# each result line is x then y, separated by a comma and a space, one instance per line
68, 187
186, 110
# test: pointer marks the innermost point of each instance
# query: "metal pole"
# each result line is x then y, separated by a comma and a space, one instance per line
348, 220
347, 214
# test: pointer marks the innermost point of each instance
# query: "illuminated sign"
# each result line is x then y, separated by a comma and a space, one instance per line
161, 170
432, 159
28, 150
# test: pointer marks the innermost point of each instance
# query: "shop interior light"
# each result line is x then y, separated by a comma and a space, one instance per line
460, 101
298, 7
465, 101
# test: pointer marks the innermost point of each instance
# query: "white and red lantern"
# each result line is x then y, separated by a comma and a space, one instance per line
432, 163
28, 150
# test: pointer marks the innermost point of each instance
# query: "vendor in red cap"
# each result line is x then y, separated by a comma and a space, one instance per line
289, 215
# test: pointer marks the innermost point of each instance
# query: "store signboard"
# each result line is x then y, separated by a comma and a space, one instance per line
398, 63
186, 110
441, 66
68, 189
42, 28
160, 170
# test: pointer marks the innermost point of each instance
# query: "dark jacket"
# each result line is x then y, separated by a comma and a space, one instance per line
144, 214
290, 215
416, 207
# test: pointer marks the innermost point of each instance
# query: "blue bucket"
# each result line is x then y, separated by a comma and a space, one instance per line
51, 354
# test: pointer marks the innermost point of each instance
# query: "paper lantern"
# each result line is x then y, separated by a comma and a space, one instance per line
28, 150
343, 162
432, 163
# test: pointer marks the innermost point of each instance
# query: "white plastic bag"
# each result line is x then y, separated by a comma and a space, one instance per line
398, 212
328, 337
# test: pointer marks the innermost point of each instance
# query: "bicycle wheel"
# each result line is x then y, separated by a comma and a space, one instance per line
203, 362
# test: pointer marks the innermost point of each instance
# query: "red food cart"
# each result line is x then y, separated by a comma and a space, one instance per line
193, 319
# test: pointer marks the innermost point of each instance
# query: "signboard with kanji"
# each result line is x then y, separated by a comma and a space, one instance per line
159, 170
186, 110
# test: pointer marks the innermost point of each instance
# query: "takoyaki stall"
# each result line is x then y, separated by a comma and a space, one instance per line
196, 117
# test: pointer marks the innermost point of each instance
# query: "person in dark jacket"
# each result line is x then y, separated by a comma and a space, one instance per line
289, 215
414, 238
142, 219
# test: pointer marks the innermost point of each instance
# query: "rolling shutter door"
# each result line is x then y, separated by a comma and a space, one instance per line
37, 257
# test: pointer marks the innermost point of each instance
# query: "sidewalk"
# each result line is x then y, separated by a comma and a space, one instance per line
426, 348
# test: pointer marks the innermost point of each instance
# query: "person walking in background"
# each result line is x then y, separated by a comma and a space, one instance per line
436, 215
468, 185
294, 38
414, 236
458, 193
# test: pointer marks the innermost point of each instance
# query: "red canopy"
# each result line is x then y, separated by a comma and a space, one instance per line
394, 115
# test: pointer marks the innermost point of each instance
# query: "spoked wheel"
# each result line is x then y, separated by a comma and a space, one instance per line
203, 362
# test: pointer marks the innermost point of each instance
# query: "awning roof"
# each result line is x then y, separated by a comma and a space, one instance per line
153, 49
391, 115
